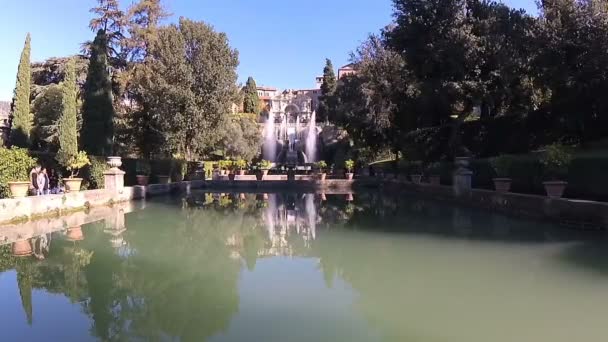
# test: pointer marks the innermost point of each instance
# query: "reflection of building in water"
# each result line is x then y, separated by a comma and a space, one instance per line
287, 227
285, 216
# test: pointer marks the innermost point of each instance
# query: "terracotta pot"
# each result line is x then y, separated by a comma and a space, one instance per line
142, 180
263, 174
21, 248
19, 189
416, 179
163, 179
555, 189
242, 196
223, 172
72, 184
74, 234
241, 172
349, 197
502, 185
322, 176
265, 197
435, 180
349, 175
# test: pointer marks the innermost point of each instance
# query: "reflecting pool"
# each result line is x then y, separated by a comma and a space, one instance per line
299, 267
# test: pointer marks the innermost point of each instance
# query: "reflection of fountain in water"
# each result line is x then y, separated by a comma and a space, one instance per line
311, 210
311, 139
270, 140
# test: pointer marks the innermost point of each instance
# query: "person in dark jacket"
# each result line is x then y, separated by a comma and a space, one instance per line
34, 179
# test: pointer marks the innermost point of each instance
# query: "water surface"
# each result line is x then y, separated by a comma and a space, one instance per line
300, 267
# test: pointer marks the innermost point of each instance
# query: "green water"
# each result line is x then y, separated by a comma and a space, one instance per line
296, 267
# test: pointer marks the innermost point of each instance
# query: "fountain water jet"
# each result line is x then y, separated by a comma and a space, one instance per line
270, 140
311, 139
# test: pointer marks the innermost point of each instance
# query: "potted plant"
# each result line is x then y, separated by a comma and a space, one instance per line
240, 165
74, 164
556, 161
264, 166
502, 166
433, 171
142, 170
322, 166
15, 165
416, 172
349, 165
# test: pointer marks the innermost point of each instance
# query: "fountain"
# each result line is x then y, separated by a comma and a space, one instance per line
270, 140
311, 139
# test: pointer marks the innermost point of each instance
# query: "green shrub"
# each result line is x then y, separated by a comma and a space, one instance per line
556, 160
349, 165
502, 165
92, 174
142, 167
15, 166
179, 168
433, 169
265, 165
322, 165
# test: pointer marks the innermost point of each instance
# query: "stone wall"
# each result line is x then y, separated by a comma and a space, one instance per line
12, 209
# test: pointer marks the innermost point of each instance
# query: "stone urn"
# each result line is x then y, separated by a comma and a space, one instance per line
555, 189
322, 176
416, 179
114, 162
502, 185
435, 180
19, 189
142, 180
349, 175
21, 248
72, 184
163, 179
74, 234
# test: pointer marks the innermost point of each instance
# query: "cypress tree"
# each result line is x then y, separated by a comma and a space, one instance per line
68, 129
328, 89
251, 102
21, 116
97, 109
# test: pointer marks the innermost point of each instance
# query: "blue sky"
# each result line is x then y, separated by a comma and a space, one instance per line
282, 43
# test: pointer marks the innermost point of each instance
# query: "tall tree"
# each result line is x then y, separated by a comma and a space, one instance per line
145, 17
97, 109
251, 102
189, 87
328, 88
113, 21
68, 122
21, 115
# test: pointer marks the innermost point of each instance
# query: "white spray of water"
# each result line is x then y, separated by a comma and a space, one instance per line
311, 139
270, 140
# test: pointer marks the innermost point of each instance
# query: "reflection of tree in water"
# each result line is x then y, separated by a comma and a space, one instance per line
179, 278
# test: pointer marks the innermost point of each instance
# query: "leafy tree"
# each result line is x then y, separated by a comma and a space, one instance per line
328, 88
68, 127
21, 115
98, 110
241, 138
188, 87
251, 103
